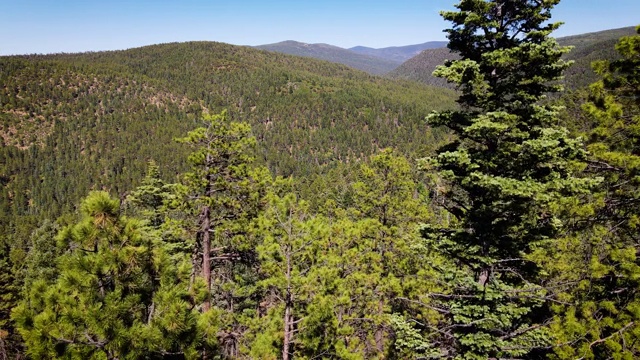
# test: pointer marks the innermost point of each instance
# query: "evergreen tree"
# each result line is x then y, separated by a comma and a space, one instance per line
116, 296
42, 255
288, 254
603, 320
151, 195
157, 202
509, 166
9, 296
387, 209
222, 193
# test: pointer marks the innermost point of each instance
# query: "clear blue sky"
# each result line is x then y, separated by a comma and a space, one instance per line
46, 26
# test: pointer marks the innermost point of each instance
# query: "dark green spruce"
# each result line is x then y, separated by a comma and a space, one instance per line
503, 174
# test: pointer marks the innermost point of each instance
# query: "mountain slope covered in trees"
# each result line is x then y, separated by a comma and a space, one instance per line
91, 121
399, 54
76, 123
209, 201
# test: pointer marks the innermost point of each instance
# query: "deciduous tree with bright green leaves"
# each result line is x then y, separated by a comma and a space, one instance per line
510, 164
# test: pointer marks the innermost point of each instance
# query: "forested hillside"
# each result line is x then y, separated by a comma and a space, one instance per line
588, 48
72, 123
76, 120
209, 201
420, 67
398, 54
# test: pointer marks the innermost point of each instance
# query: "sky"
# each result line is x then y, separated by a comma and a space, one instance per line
53, 26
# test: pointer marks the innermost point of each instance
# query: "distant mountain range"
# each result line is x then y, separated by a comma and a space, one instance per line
399, 54
374, 61
371, 64
586, 48
417, 62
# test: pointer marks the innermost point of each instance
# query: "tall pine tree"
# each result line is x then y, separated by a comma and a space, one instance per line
222, 193
507, 168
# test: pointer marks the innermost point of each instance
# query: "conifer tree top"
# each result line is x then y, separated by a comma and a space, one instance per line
507, 58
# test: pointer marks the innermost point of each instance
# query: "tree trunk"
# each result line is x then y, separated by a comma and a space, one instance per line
288, 311
287, 332
379, 335
206, 255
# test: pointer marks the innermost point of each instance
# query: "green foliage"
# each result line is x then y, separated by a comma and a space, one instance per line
221, 195
9, 295
73, 123
150, 197
420, 67
504, 174
222, 177
232, 263
115, 295
587, 48
602, 318
289, 256
157, 202
330, 283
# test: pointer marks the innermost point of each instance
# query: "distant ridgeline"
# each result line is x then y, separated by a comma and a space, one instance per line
417, 62
374, 61
586, 48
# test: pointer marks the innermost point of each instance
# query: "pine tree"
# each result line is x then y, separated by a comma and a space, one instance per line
288, 254
151, 195
387, 210
116, 295
603, 320
222, 193
509, 165
9, 295
157, 202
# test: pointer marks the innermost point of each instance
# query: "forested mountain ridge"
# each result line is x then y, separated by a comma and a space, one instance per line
420, 67
101, 116
365, 62
399, 53
374, 61
35, 97
586, 48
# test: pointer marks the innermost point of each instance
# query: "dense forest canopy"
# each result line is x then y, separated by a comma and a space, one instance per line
204, 200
